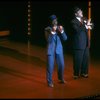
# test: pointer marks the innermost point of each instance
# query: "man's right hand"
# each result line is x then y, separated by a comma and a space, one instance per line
54, 29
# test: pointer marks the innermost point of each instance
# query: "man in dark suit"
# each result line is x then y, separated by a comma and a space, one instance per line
81, 44
54, 34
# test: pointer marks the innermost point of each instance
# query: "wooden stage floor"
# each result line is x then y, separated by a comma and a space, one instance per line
23, 75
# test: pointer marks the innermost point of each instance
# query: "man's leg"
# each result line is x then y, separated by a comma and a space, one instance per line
85, 63
77, 62
50, 68
60, 63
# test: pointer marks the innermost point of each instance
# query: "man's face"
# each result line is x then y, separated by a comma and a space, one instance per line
54, 22
79, 14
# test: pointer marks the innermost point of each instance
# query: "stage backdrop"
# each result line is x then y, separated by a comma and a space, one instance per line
14, 17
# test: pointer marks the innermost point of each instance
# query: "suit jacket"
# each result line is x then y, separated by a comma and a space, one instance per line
54, 44
80, 35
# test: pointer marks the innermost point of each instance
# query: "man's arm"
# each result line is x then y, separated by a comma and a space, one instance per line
78, 27
62, 32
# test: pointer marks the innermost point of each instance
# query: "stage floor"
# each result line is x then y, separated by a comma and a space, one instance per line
23, 75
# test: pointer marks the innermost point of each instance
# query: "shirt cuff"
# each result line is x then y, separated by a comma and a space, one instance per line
62, 31
86, 26
53, 32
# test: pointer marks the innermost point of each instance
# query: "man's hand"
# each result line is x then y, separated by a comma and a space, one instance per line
54, 29
89, 24
60, 29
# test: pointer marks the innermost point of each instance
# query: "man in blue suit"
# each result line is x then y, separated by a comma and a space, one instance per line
81, 44
54, 34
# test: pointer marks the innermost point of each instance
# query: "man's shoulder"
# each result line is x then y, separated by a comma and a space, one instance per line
47, 28
74, 21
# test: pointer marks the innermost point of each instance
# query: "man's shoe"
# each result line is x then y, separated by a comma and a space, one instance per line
84, 75
76, 77
51, 85
62, 81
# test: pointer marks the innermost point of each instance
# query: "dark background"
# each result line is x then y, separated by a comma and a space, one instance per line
13, 17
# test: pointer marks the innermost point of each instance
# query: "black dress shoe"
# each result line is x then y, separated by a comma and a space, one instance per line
51, 85
76, 77
62, 81
84, 75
